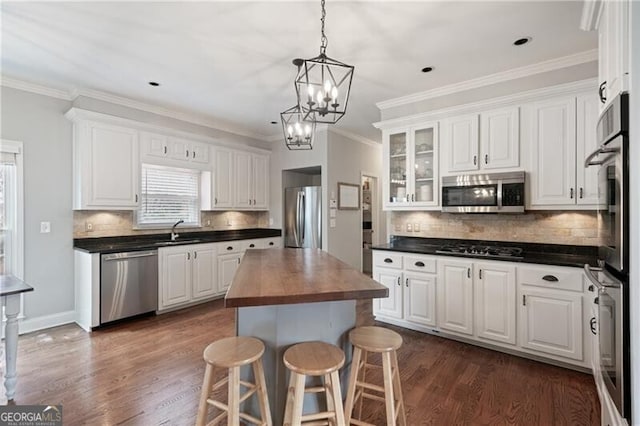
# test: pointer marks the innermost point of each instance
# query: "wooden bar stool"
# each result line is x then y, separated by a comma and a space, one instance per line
380, 340
314, 359
233, 353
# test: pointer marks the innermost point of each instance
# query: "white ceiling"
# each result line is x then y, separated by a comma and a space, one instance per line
232, 60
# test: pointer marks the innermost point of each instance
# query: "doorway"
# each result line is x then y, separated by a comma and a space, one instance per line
369, 185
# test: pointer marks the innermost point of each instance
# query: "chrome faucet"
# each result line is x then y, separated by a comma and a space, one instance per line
174, 234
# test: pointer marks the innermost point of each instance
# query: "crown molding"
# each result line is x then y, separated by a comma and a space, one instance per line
581, 86
590, 18
540, 67
35, 88
165, 112
355, 137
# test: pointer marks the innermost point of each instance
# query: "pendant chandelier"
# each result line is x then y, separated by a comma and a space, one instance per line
298, 133
323, 84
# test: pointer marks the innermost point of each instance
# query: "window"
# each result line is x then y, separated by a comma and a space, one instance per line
11, 199
169, 194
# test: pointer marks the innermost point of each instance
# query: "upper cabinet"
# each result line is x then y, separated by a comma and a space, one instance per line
557, 176
411, 167
241, 180
473, 142
106, 166
613, 48
172, 151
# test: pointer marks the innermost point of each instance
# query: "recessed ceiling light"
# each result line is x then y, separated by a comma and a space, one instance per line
274, 122
427, 69
154, 84
521, 41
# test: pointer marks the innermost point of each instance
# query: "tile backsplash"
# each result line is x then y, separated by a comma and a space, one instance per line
117, 223
552, 227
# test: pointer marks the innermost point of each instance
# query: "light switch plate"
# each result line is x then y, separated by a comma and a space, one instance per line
332, 212
398, 227
45, 227
332, 223
416, 227
409, 227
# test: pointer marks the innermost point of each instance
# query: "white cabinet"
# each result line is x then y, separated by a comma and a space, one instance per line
241, 180
389, 306
613, 50
186, 274
495, 302
106, 166
170, 150
550, 313
560, 135
420, 298
411, 167
490, 142
227, 266
223, 179
455, 296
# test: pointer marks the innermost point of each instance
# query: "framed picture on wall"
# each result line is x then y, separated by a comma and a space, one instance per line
348, 196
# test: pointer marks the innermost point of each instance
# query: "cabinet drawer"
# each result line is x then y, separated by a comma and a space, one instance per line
252, 244
234, 246
551, 277
274, 242
419, 263
387, 259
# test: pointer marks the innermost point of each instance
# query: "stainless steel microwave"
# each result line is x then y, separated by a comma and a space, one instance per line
484, 193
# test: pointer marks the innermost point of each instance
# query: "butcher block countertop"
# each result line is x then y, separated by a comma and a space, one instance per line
288, 276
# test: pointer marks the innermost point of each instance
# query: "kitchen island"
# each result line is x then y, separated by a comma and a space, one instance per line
287, 296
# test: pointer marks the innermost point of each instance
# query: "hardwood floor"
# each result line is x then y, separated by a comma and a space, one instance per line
149, 372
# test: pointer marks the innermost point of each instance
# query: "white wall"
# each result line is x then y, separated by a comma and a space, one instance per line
634, 197
38, 122
347, 160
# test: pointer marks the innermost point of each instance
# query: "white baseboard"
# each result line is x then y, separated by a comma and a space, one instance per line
29, 325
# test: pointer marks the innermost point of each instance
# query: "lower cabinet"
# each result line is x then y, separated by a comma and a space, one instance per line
227, 267
533, 309
187, 273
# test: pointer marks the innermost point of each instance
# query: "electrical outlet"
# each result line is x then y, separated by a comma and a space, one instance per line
45, 227
416, 227
409, 227
397, 227
88, 226
270, 221
208, 222
332, 223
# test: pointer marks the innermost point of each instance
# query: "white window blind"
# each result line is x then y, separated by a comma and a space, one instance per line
168, 195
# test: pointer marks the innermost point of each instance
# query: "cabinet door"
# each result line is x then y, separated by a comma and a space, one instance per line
154, 145
179, 149
199, 152
175, 276
223, 197
455, 296
227, 267
460, 143
500, 138
389, 306
587, 142
113, 167
614, 22
242, 161
495, 302
423, 165
551, 322
205, 276
260, 184
551, 136
420, 299
395, 149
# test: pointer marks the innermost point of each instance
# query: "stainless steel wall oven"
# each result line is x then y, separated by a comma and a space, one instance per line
611, 280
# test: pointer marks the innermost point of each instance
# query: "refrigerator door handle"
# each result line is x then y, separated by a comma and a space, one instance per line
299, 213
304, 213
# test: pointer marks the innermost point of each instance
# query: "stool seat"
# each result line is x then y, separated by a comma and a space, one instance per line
233, 351
375, 339
313, 358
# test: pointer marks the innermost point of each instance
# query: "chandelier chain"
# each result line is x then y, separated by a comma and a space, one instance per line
323, 39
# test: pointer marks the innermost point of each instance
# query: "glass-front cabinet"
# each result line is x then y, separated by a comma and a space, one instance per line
411, 167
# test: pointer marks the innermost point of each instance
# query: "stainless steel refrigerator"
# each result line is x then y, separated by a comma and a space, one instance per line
303, 217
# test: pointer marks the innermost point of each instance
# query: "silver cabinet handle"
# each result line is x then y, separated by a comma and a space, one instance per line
215, 200
195, 254
188, 256
413, 198
475, 160
187, 153
136, 198
486, 159
129, 255
571, 193
406, 282
581, 193
524, 300
399, 281
164, 148
468, 272
480, 274
193, 154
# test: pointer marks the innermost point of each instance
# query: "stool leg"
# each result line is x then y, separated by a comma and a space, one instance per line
336, 395
204, 395
387, 375
233, 415
353, 378
295, 400
263, 400
397, 390
365, 359
328, 393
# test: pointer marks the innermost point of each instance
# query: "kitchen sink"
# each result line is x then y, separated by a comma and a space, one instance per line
176, 242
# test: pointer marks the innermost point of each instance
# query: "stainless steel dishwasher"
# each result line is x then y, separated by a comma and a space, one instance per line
128, 284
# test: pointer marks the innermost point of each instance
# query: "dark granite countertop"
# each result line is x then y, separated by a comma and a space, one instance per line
547, 254
155, 241
11, 285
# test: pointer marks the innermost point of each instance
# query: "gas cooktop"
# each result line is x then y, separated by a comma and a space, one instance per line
493, 252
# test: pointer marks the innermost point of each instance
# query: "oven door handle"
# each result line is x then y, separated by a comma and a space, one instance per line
589, 272
589, 161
